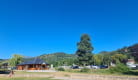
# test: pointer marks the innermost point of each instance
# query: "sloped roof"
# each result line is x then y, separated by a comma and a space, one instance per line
34, 61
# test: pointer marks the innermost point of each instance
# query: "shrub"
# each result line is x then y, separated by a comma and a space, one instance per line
61, 69
120, 68
85, 70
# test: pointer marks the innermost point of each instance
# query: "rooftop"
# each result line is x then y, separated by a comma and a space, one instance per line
34, 61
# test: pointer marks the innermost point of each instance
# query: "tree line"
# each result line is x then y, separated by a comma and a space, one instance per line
84, 55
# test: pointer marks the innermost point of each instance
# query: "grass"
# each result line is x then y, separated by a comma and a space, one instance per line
66, 75
104, 72
92, 71
100, 71
25, 78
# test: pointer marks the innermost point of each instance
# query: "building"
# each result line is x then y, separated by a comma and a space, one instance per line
4, 66
35, 64
130, 62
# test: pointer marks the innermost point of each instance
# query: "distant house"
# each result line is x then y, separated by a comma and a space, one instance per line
35, 64
130, 62
4, 66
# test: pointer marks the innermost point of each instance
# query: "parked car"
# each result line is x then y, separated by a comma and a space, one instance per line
95, 67
136, 66
74, 67
89, 67
103, 66
132, 66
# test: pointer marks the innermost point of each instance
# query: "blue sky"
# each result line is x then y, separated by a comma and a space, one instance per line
34, 27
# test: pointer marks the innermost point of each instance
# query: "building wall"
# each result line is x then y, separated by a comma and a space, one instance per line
33, 67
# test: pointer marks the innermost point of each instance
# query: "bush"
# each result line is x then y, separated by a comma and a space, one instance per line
85, 70
120, 68
61, 69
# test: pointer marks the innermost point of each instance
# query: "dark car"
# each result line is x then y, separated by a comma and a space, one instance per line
75, 67
103, 66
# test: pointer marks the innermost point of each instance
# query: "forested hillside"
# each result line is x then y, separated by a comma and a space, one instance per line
102, 58
134, 51
58, 58
130, 52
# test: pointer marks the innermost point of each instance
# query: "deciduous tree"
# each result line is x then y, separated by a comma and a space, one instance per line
16, 59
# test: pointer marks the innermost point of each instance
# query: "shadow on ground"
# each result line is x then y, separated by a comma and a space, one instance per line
131, 73
4, 72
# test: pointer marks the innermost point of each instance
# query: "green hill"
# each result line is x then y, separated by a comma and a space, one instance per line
59, 58
130, 52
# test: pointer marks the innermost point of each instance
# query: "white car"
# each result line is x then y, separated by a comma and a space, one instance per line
95, 67
132, 66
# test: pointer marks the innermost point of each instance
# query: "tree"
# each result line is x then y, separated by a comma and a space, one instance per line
134, 51
126, 51
97, 59
102, 59
16, 59
117, 58
84, 52
106, 59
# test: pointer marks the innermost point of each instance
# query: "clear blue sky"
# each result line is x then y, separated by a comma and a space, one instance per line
34, 27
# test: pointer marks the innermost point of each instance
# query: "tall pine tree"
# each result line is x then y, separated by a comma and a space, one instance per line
84, 51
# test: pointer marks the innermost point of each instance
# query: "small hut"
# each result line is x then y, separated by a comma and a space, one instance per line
35, 64
4, 65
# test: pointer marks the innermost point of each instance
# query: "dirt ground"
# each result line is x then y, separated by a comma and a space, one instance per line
71, 76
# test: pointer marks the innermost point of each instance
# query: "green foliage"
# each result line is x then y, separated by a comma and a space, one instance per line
134, 51
61, 69
119, 68
84, 51
130, 52
105, 58
85, 70
59, 59
97, 59
16, 59
117, 58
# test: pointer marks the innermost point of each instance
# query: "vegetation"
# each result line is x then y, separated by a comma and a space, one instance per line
61, 69
102, 59
59, 59
16, 59
119, 68
84, 56
85, 70
117, 58
133, 50
84, 52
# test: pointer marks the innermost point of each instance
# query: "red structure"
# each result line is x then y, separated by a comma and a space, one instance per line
36, 64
